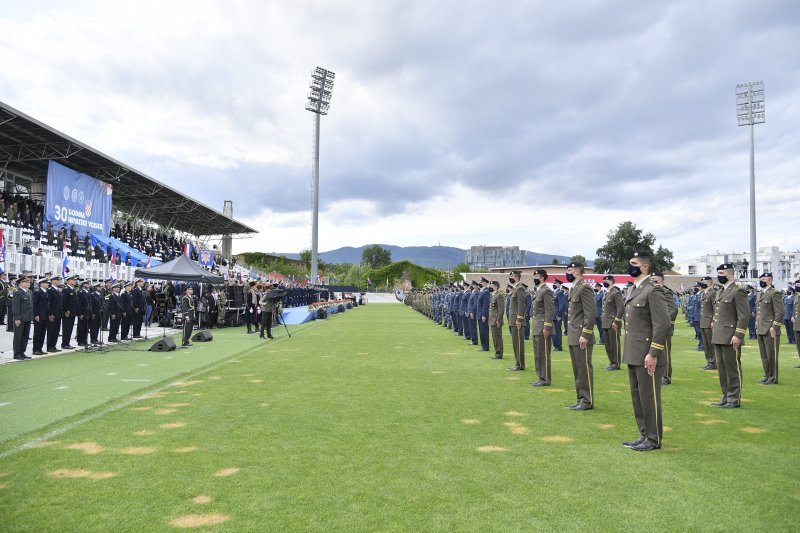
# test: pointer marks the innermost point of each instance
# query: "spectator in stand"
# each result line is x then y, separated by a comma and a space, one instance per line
98, 253
88, 253
51, 236
87, 241
61, 237
27, 250
73, 242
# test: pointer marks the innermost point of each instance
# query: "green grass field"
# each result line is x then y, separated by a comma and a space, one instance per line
379, 420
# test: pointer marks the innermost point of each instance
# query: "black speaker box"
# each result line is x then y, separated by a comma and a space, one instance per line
202, 336
164, 345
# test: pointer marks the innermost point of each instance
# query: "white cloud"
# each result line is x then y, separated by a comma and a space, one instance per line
535, 124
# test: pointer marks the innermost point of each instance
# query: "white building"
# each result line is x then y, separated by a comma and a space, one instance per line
482, 258
785, 266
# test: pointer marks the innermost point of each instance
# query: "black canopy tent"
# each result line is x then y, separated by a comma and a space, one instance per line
180, 269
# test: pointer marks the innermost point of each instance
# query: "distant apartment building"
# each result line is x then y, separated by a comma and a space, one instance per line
785, 266
482, 258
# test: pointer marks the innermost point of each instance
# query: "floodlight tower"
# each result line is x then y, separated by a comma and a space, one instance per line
750, 110
319, 101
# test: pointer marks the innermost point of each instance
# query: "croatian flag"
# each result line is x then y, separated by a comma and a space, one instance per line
147, 265
308, 279
187, 250
2, 252
319, 279
64, 260
369, 281
112, 269
334, 279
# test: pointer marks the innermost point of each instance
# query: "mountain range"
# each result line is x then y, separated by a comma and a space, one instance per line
428, 256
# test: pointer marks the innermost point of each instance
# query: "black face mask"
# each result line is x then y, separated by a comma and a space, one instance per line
634, 271
511, 280
605, 284
491, 289
570, 277
722, 279
762, 284
704, 285
696, 290
536, 281
797, 287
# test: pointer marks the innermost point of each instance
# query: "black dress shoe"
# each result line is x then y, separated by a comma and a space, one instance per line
573, 406
762, 380
270, 337
730, 406
53, 350
665, 381
632, 443
484, 349
709, 366
514, 369
38, 352
770, 381
540, 383
581, 407
645, 447
720, 403
67, 347
496, 357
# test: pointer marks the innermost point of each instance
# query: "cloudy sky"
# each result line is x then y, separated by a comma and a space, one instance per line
540, 124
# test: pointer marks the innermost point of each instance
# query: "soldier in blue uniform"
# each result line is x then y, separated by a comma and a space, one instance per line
53, 314
139, 303
598, 302
463, 310
560, 303
455, 301
751, 300
84, 311
482, 313
472, 313
96, 302
788, 306
40, 306
69, 307
127, 310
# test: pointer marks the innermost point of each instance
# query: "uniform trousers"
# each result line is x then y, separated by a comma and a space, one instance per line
497, 339
483, 331
583, 372
729, 366
769, 347
518, 339
541, 357
646, 396
613, 345
708, 348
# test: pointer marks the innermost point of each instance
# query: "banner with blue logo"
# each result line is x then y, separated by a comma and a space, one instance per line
206, 258
75, 199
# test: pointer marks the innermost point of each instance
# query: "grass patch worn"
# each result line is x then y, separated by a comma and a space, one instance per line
424, 433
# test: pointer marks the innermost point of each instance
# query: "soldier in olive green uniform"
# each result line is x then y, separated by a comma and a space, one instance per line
611, 320
497, 307
769, 316
517, 312
707, 295
582, 313
672, 308
647, 326
731, 317
542, 311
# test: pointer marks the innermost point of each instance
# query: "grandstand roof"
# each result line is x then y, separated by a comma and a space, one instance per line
26, 146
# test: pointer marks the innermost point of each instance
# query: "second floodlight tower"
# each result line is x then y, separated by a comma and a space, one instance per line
319, 102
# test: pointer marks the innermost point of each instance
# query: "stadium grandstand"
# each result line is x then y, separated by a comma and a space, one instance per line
150, 221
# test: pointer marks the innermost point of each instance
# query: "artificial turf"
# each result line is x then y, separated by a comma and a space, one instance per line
374, 420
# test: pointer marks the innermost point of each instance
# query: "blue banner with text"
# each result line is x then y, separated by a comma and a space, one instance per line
75, 199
